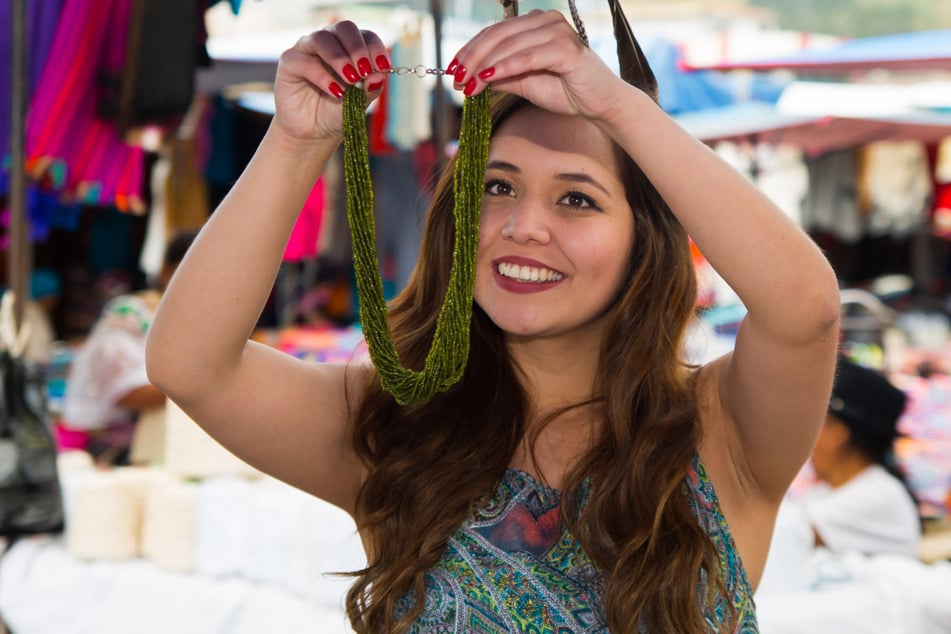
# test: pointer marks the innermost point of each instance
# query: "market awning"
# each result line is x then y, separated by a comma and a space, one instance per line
864, 99
922, 50
813, 134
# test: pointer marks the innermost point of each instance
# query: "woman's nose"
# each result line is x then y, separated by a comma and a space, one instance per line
527, 222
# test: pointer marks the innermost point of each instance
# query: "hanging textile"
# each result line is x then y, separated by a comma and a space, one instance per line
408, 121
156, 230
68, 147
44, 211
831, 203
378, 145
894, 187
42, 17
179, 191
157, 77
306, 233
941, 214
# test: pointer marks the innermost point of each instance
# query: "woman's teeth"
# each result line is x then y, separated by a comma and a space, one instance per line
528, 273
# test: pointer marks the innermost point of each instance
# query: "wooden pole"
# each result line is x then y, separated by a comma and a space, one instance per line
440, 128
18, 253
509, 8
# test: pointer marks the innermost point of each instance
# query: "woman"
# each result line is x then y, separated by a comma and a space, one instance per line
565, 484
863, 503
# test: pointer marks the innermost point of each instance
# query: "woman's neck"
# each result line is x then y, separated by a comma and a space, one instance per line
848, 467
556, 373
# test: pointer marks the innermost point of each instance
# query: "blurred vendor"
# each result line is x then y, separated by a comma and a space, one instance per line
863, 503
107, 388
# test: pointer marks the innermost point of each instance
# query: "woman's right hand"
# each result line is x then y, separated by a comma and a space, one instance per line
312, 77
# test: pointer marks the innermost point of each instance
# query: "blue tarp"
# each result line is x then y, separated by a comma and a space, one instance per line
683, 91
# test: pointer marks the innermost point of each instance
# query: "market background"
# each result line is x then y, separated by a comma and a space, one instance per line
839, 110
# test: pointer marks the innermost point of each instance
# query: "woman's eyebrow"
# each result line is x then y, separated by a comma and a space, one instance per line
503, 166
577, 177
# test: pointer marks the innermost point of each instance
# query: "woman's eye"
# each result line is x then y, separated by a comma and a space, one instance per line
578, 201
498, 188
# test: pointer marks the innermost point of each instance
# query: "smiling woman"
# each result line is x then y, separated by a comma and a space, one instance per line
581, 475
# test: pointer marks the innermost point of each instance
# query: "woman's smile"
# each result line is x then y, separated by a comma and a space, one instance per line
525, 275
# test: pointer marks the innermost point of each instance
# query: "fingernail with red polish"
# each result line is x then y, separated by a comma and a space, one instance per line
488, 72
470, 87
350, 74
375, 86
451, 69
364, 67
382, 63
460, 73
335, 89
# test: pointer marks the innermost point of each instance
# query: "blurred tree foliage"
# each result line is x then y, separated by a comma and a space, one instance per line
860, 18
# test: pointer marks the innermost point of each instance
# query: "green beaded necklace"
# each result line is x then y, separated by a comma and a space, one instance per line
446, 360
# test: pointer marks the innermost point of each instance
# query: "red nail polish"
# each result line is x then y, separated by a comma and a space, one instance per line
382, 63
335, 90
460, 74
375, 86
350, 74
488, 72
470, 87
451, 69
364, 67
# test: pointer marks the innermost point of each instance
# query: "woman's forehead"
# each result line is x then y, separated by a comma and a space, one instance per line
531, 133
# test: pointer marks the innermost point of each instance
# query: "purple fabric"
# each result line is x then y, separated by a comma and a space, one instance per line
68, 146
42, 17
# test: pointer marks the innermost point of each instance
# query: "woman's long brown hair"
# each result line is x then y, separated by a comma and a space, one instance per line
428, 463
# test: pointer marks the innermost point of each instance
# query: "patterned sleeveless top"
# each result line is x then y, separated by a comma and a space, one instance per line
513, 567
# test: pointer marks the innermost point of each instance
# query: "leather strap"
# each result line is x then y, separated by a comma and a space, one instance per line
633, 63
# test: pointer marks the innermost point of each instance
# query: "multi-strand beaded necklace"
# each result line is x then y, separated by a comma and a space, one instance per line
446, 360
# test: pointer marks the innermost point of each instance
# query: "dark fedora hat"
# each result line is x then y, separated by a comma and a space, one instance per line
866, 402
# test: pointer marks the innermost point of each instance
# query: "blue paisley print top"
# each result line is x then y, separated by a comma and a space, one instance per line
513, 567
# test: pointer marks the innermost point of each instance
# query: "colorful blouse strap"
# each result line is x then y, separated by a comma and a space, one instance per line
706, 507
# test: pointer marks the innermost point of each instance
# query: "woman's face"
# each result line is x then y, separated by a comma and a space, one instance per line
556, 231
833, 436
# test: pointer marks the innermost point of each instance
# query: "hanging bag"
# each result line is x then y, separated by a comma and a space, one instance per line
30, 497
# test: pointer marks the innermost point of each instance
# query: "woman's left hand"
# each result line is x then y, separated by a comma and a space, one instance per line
539, 56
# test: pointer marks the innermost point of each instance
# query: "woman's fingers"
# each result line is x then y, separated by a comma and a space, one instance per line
313, 76
377, 60
364, 51
347, 55
502, 39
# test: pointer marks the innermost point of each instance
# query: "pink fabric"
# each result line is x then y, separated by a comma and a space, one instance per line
306, 233
67, 145
68, 439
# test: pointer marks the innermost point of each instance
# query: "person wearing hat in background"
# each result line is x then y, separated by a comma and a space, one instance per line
863, 503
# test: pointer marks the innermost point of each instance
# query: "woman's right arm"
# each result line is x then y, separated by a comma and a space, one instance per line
286, 417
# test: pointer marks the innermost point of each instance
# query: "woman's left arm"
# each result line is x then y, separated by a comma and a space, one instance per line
773, 389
